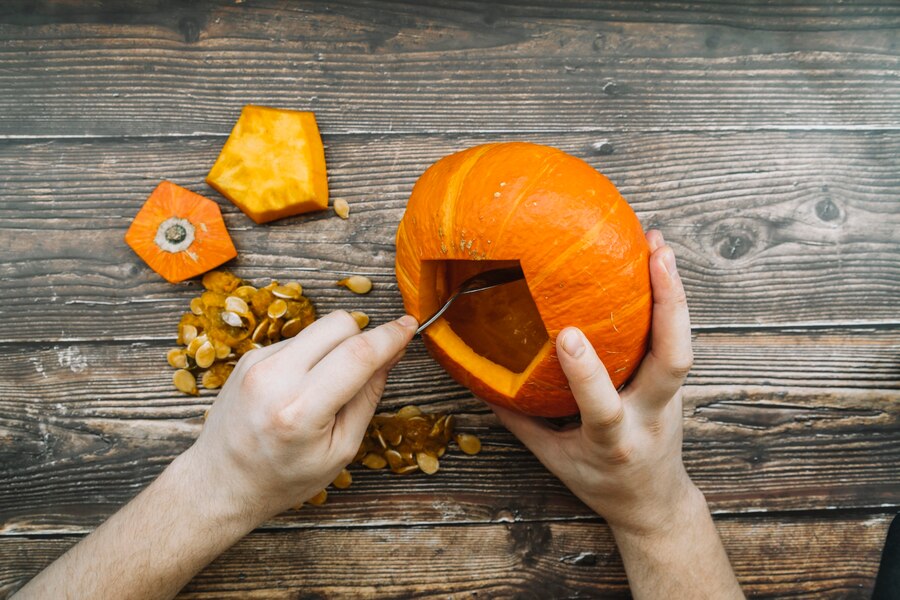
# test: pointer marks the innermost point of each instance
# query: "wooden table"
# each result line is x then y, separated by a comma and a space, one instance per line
764, 140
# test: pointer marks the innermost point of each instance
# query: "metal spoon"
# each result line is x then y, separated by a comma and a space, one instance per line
477, 283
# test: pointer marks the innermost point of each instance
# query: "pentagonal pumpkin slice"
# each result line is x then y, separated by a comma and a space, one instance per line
273, 164
180, 234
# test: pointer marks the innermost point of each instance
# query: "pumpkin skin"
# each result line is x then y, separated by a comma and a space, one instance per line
580, 245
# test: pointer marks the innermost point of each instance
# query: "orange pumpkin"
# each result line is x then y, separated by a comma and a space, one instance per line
180, 234
580, 245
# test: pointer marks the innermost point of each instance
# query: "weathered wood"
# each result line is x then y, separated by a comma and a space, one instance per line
773, 421
774, 557
769, 229
437, 66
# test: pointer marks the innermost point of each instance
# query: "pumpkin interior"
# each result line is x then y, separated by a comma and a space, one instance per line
501, 326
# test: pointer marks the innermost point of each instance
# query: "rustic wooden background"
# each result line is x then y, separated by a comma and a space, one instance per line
763, 139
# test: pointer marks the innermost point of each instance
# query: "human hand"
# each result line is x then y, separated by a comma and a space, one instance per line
624, 460
293, 414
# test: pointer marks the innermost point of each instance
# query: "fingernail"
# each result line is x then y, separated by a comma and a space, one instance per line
407, 321
668, 260
573, 342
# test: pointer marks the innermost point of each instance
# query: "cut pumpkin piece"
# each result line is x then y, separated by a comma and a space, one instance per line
180, 234
273, 164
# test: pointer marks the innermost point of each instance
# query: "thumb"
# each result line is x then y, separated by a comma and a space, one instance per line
602, 412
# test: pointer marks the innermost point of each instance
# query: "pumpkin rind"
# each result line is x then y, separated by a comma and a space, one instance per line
211, 245
273, 164
582, 249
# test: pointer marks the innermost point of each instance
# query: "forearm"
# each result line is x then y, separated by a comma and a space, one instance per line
684, 560
153, 546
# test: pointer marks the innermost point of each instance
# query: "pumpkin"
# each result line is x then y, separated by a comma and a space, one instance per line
273, 164
579, 244
180, 234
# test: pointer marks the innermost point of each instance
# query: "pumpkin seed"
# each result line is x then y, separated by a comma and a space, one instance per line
295, 286
231, 318
188, 333
428, 463
374, 461
361, 318
222, 350
245, 292
341, 208
357, 284
343, 480
195, 345
286, 293
274, 330
176, 358
380, 439
394, 437
236, 305
206, 355
441, 451
211, 381
319, 499
185, 381
407, 469
468, 443
277, 309
409, 411
197, 306
259, 334
292, 328
394, 459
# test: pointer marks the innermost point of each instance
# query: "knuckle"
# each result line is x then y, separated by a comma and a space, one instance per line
591, 374
361, 350
620, 454
279, 424
681, 366
609, 419
255, 376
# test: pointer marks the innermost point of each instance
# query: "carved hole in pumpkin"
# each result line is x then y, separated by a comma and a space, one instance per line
502, 324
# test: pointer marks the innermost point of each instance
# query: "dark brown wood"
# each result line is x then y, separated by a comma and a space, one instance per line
774, 557
145, 68
802, 234
773, 421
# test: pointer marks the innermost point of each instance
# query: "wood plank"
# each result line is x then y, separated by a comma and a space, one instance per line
773, 557
770, 229
439, 66
773, 421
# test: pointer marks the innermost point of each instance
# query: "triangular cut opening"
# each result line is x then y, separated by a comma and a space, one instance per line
502, 324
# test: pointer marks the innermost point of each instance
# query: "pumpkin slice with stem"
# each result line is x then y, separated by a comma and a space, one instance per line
180, 234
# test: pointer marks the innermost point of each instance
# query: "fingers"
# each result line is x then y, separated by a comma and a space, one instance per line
343, 372
655, 239
301, 353
602, 412
352, 420
667, 363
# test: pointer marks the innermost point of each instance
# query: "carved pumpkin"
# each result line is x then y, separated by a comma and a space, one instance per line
581, 247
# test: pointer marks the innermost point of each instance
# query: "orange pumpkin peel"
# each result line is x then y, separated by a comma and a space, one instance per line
581, 247
180, 234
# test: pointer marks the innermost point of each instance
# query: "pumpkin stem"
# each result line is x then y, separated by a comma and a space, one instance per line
174, 235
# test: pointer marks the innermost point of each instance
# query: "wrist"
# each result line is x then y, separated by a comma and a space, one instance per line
209, 498
680, 510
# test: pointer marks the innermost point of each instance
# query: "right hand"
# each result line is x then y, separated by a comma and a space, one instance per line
293, 414
624, 460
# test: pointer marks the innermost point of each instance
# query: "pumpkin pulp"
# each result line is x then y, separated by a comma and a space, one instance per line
500, 329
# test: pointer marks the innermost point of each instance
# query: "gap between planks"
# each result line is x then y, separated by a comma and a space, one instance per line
340, 525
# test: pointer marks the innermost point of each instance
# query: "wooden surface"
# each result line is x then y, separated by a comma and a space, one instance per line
762, 138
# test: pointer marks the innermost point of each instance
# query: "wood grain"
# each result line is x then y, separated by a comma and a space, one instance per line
773, 557
770, 229
773, 421
143, 68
